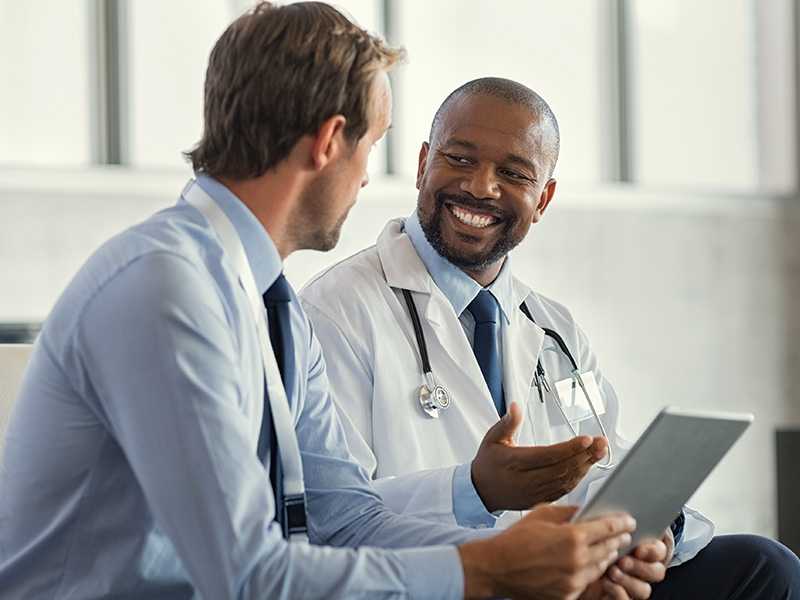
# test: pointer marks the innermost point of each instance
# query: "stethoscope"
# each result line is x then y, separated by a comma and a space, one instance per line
434, 397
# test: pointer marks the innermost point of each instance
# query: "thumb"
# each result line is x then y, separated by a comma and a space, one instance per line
502, 432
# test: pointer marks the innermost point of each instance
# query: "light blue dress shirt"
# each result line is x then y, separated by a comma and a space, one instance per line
460, 289
130, 469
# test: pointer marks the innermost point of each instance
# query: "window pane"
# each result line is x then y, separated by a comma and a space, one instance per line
168, 58
695, 93
44, 83
552, 47
369, 15
169, 47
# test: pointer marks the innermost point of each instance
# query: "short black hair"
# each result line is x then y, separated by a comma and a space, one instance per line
511, 92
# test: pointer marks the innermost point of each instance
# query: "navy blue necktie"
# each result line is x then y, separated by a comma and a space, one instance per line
485, 310
276, 300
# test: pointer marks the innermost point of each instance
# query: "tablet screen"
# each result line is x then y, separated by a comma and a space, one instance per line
664, 467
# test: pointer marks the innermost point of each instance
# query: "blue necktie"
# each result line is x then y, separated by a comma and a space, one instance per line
276, 300
484, 310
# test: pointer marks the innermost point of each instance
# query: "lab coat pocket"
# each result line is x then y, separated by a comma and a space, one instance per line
570, 405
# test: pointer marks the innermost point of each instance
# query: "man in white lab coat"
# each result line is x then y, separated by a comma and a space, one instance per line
484, 177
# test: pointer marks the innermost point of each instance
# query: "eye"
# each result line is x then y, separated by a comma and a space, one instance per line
457, 159
514, 175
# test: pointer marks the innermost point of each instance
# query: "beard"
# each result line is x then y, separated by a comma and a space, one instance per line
474, 261
314, 225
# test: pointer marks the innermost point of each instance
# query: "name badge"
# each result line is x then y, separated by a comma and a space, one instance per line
574, 400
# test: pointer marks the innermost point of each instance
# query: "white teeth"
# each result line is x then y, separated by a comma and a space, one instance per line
470, 219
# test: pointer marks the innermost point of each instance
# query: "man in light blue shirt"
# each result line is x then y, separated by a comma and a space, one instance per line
131, 467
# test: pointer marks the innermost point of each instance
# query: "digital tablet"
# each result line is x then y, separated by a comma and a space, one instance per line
664, 467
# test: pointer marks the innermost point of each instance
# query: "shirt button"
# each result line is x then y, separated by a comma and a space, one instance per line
480, 526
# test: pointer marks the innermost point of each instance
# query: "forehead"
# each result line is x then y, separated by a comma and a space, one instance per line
488, 122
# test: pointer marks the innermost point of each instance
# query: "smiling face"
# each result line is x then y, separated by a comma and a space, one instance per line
483, 179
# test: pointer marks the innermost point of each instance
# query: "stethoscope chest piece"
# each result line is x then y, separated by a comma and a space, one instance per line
433, 397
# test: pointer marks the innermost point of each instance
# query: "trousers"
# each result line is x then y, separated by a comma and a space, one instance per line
734, 567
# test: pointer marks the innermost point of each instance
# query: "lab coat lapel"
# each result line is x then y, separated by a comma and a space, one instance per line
448, 346
451, 347
401, 264
522, 344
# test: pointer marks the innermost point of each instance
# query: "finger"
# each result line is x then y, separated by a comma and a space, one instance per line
609, 528
633, 586
601, 556
599, 449
571, 467
502, 432
652, 551
547, 484
613, 591
534, 457
648, 571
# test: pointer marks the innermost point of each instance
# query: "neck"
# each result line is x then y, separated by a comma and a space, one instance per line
270, 198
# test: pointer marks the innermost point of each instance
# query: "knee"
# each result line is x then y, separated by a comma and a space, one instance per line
768, 559
769, 550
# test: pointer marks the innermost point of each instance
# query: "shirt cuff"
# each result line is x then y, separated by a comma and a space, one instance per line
434, 572
468, 507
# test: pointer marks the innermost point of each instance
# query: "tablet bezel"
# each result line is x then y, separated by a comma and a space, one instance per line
664, 468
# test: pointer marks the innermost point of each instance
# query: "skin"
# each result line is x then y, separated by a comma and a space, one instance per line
484, 179
484, 160
304, 201
632, 575
542, 556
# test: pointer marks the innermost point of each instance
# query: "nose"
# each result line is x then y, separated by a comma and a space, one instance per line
481, 182
365, 179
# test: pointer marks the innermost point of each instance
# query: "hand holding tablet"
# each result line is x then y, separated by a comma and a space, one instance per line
664, 467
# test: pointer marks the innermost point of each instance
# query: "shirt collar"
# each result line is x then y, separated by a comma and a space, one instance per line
458, 287
263, 256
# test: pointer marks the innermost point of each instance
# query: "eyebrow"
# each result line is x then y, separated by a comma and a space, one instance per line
512, 158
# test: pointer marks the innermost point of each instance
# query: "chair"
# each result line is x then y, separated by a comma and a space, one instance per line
13, 359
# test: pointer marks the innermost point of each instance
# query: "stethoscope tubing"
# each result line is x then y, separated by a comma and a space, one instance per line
418, 333
541, 379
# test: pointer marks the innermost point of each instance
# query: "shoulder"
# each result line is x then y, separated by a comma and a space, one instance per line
356, 280
546, 311
168, 262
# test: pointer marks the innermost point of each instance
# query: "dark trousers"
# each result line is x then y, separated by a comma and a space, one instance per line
734, 567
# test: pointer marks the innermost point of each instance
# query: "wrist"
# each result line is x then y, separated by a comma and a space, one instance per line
477, 487
479, 578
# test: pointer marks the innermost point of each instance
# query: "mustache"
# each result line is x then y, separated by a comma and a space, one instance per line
470, 202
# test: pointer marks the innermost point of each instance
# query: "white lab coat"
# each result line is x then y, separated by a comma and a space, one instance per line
361, 319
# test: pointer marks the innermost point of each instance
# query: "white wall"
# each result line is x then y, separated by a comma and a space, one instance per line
689, 300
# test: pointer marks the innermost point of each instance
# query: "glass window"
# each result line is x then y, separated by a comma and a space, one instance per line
168, 56
44, 84
168, 53
710, 106
695, 101
552, 47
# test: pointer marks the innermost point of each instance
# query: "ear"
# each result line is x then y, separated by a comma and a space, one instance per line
328, 143
423, 162
544, 200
